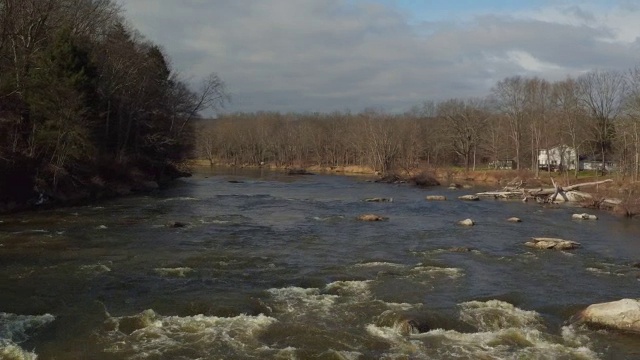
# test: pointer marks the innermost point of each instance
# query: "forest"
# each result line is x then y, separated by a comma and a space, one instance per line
597, 113
88, 106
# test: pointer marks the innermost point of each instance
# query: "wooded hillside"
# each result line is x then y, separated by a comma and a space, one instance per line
85, 101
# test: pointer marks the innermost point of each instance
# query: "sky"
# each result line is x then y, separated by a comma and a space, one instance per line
390, 55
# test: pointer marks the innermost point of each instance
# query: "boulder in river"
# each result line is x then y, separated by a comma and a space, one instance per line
514, 219
584, 216
552, 243
436, 197
466, 222
469, 197
622, 315
371, 217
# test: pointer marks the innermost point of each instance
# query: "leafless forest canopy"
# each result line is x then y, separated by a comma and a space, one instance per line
597, 113
85, 99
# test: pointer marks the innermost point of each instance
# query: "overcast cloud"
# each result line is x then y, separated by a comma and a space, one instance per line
326, 55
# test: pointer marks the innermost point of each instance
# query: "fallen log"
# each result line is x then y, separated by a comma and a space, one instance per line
556, 193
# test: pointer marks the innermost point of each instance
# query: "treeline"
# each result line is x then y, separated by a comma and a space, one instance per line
84, 98
597, 113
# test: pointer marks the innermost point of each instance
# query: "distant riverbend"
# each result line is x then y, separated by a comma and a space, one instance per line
255, 264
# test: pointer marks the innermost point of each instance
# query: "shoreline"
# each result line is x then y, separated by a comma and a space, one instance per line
92, 188
450, 176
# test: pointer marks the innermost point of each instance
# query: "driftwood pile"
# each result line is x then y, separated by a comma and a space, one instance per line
554, 194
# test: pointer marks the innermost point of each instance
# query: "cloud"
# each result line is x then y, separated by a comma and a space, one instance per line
326, 55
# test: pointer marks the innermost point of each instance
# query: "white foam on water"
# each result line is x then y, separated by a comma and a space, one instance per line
513, 343
495, 314
95, 269
11, 351
340, 355
400, 344
181, 198
437, 271
174, 272
382, 264
504, 332
328, 218
151, 335
598, 271
301, 301
427, 274
33, 231
15, 329
359, 289
573, 336
216, 222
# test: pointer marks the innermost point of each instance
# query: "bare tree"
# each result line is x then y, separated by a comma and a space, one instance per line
602, 94
571, 115
465, 120
632, 107
510, 94
538, 107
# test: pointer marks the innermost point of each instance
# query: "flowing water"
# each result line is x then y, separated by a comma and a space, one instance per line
277, 267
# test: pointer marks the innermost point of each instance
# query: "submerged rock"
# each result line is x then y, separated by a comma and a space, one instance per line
425, 180
552, 243
436, 198
469, 197
177, 224
391, 179
584, 216
298, 172
460, 249
514, 220
371, 217
622, 315
377, 199
466, 222
405, 323
409, 327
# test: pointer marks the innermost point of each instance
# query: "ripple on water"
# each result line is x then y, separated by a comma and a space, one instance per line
181, 198
174, 272
149, 334
16, 329
503, 331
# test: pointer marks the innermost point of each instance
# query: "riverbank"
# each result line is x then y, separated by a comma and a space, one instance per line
624, 190
23, 188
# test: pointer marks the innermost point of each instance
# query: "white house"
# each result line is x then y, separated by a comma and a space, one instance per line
558, 157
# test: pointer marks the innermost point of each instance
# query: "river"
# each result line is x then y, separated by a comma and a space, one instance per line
277, 267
